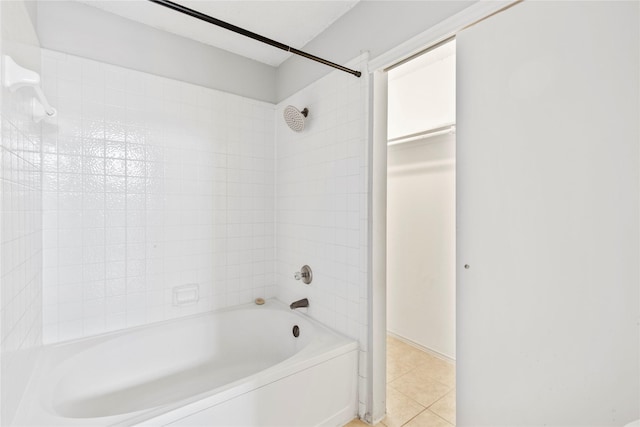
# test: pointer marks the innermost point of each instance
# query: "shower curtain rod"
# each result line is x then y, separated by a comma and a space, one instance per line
194, 13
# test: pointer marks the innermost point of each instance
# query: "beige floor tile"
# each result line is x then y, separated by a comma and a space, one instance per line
440, 370
356, 423
427, 419
398, 351
446, 407
400, 408
423, 378
420, 388
397, 368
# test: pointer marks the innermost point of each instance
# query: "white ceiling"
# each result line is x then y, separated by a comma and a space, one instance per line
293, 23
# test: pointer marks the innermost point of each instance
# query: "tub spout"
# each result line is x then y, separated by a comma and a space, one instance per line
299, 304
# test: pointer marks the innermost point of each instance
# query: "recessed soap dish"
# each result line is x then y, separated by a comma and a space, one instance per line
186, 294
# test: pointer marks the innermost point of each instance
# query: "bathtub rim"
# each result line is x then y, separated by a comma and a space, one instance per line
186, 317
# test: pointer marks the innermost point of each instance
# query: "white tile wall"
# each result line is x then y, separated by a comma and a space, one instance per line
322, 214
20, 246
150, 183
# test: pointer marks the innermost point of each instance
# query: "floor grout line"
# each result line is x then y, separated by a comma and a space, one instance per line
415, 416
411, 398
439, 399
444, 419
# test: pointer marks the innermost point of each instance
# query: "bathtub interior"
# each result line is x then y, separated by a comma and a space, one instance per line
157, 368
189, 357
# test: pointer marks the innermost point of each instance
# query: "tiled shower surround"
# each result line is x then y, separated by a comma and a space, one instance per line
21, 232
20, 247
151, 183
148, 184
321, 204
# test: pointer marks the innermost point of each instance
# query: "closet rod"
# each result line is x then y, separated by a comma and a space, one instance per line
195, 14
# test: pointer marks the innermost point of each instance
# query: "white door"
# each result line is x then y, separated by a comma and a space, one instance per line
548, 216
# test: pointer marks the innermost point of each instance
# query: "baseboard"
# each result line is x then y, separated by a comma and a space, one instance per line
422, 348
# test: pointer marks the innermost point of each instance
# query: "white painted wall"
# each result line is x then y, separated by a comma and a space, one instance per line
548, 216
150, 183
422, 92
78, 29
421, 243
20, 217
421, 203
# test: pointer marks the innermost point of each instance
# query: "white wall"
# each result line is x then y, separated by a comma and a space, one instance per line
322, 219
75, 28
421, 243
78, 29
548, 216
421, 203
20, 217
372, 26
150, 183
422, 92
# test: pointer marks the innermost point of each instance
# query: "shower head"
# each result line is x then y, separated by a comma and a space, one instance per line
295, 118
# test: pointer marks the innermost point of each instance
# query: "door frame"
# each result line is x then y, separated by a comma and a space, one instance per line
377, 283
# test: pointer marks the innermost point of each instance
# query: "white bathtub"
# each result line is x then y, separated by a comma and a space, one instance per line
235, 367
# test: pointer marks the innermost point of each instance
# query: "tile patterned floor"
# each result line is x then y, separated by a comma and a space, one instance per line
420, 389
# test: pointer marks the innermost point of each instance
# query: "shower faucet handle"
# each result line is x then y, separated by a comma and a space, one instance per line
304, 274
